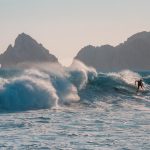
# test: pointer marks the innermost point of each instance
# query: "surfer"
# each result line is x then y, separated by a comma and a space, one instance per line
139, 84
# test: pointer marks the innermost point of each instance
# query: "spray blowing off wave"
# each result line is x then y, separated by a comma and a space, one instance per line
50, 86
27, 92
41, 88
114, 88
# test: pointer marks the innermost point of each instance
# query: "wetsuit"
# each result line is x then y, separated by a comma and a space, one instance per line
140, 84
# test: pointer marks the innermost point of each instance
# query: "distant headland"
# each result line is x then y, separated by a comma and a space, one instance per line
133, 54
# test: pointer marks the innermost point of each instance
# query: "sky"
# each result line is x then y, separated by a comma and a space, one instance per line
66, 26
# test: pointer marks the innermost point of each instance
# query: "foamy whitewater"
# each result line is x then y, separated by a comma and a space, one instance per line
51, 107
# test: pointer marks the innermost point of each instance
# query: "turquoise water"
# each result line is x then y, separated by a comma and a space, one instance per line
76, 108
104, 127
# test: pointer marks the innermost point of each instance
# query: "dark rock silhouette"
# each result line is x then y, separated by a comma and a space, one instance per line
133, 54
25, 50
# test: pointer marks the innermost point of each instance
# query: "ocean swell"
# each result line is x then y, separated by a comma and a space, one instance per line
30, 89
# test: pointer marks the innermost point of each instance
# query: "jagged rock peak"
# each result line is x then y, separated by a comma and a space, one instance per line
24, 38
25, 50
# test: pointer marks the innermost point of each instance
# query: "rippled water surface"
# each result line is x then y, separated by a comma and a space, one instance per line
74, 109
83, 128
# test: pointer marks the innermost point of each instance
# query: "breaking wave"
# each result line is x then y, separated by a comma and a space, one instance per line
55, 86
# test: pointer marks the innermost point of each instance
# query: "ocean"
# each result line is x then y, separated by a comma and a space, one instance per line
74, 108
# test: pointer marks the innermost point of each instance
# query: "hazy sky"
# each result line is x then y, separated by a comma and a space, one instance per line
65, 26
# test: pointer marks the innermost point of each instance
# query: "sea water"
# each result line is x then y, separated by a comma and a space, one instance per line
75, 108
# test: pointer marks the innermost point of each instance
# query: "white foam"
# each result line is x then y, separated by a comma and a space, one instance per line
126, 76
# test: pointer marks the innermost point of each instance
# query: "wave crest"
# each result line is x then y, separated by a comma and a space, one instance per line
40, 88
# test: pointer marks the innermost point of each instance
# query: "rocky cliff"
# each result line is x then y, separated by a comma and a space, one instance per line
25, 50
133, 54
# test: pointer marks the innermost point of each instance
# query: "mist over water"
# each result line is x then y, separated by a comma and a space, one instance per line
73, 108
43, 86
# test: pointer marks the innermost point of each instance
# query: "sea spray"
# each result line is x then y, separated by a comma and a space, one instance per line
126, 76
52, 86
80, 74
39, 87
27, 93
